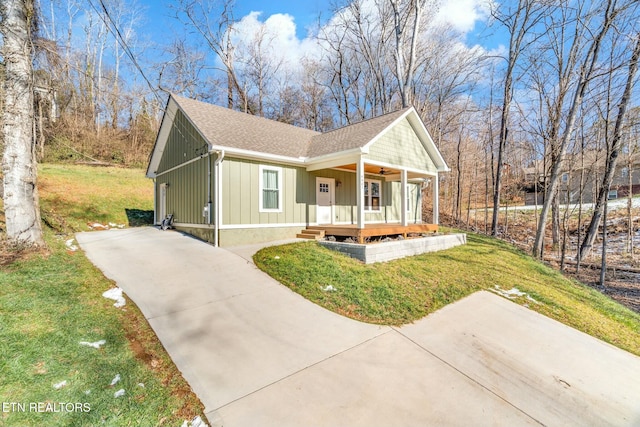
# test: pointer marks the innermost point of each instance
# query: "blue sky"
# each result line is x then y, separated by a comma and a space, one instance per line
305, 12
465, 14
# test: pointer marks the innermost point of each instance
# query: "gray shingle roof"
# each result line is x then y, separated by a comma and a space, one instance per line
352, 136
228, 128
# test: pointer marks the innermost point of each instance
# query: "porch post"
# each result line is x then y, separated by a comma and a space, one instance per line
360, 192
436, 207
403, 182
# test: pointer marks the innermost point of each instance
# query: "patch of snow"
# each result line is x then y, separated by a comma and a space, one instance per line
276, 257
115, 380
59, 385
70, 246
196, 422
96, 344
141, 385
118, 393
512, 293
87, 392
329, 288
115, 294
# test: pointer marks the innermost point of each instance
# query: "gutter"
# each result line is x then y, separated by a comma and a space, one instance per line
218, 194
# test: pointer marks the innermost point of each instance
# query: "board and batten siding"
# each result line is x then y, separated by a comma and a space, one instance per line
241, 194
183, 144
401, 146
187, 191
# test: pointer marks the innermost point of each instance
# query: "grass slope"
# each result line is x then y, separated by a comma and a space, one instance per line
402, 291
52, 300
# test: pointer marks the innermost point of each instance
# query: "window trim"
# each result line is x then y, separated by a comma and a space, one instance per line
368, 207
261, 207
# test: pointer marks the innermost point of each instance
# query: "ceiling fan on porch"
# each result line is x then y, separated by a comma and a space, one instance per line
384, 172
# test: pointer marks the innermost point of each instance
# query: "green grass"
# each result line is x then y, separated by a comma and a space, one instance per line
52, 300
73, 196
405, 290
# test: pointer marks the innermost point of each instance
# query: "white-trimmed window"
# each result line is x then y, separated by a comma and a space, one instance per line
270, 189
565, 177
372, 194
409, 188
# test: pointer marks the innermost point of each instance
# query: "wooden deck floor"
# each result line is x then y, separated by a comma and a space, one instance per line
374, 230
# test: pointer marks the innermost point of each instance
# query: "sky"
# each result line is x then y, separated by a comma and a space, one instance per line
468, 16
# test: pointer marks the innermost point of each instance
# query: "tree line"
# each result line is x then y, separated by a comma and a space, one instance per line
560, 88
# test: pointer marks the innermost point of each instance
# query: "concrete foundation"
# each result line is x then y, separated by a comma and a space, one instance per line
386, 251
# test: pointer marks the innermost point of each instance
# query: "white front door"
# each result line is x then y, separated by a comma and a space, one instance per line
325, 188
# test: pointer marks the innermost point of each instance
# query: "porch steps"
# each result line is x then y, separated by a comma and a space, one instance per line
310, 234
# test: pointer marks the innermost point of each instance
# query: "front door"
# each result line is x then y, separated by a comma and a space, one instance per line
325, 188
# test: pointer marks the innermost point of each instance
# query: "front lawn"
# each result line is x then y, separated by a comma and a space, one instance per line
68, 356
405, 290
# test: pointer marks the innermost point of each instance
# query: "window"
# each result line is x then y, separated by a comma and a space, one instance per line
409, 187
613, 194
624, 172
324, 187
565, 177
270, 189
372, 191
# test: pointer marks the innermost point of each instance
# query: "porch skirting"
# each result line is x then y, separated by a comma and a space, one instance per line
386, 251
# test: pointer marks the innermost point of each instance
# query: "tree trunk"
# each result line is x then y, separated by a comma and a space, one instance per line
21, 204
612, 159
586, 73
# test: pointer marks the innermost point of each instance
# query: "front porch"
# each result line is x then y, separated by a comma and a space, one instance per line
371, 230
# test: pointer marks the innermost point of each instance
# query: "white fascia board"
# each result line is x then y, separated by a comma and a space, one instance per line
163, 135
333, 160
257, 155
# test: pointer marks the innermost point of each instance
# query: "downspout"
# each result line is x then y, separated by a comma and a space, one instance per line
217, 215
209, 213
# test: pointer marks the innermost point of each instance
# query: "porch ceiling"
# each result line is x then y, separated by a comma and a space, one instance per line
389, 173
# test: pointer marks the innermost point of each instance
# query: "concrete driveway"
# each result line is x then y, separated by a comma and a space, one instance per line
258, 354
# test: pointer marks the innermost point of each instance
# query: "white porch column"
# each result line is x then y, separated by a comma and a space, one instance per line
403, 183
360, 192
436, 207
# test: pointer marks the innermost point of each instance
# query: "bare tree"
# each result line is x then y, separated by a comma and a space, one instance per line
20, 196
519, 22
586, 72
407, 16
613, 154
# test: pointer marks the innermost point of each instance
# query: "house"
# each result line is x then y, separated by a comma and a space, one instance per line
231, 178
581, 177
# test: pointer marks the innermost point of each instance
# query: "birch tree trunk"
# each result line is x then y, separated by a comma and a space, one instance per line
21, 205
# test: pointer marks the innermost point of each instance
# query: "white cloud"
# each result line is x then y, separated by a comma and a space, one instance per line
280, 41
462, 15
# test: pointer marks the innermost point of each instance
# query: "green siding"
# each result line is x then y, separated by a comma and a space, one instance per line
187, 192
241, 187
241, 194
184, 143
401, 146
